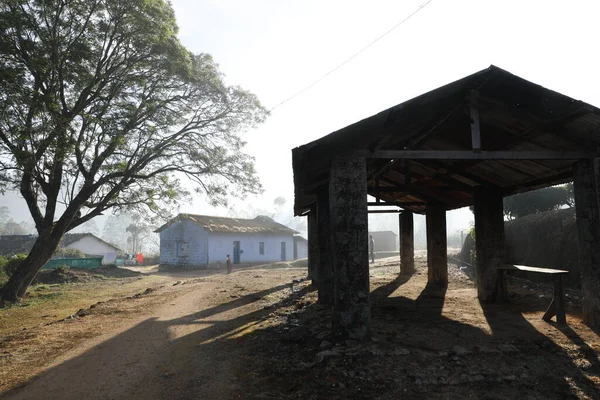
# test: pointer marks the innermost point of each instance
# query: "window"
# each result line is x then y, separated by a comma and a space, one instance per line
182, 249
261, 247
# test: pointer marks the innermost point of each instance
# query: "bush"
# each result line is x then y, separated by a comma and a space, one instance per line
60, 274
9, 266
62, 269
13, 264
69, 253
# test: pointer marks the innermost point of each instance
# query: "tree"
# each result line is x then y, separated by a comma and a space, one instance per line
115, 230
13, 228
550, 198
138, 234
4, 215
88, 227
101, 107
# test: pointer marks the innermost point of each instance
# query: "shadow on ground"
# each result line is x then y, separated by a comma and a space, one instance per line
282, 351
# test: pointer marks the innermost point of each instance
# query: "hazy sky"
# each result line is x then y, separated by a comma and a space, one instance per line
275, 48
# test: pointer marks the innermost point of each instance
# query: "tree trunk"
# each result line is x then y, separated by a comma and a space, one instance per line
42, 250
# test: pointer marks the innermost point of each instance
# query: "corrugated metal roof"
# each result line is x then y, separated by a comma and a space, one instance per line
260, 224
515, 115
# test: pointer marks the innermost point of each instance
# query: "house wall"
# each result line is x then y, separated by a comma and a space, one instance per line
385, 241
92, 246
190, 235
221, 244
302, 249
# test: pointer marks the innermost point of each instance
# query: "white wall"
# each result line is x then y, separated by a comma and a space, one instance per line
91, 245
221, 244
194, 236
302, 249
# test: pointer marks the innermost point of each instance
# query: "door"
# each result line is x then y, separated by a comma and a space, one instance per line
283, 258
236, 252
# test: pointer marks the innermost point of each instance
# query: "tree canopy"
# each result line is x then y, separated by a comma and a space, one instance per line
546, 199
102, 107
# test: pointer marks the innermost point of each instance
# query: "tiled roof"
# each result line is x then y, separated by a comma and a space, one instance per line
260, 224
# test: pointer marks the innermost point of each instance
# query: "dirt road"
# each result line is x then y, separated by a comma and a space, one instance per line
177, 351
259, 334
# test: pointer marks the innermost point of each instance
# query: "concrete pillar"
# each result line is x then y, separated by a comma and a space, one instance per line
489, 241
587, 210
407, 243
350, 248
313, 247
437, 247
325, 260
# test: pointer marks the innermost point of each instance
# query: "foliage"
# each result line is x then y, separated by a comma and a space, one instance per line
69, 253
62, 269
131, 233
139, 235
8, 226
8, 266
472, 231
454, 239
13, 263
550, 198
60, 274
3, 275
102, 108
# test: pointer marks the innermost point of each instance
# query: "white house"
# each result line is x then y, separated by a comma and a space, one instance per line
194, 241
91, 246
87, 243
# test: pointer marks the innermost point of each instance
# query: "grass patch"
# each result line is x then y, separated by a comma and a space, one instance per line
50, 302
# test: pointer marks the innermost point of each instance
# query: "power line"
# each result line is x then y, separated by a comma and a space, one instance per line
353, 56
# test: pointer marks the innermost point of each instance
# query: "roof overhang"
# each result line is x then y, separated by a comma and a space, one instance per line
490, 129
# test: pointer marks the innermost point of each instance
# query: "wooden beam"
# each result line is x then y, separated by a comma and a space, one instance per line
483, 155
415, 192
384, 211
397, 203
475, 132
431, 128
404, 189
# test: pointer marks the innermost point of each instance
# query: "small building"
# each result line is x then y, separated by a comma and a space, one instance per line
385, 240
87, 243
194, 241
300, 248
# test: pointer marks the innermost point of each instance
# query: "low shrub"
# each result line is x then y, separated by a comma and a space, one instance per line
8, 266
69, 253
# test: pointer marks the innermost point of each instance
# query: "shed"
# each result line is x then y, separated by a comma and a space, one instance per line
471, 142
385, 240
194, 241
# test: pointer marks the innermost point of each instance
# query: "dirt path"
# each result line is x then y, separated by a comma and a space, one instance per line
259, 334
174, 352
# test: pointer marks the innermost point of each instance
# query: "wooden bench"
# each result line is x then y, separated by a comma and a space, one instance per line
557, 305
